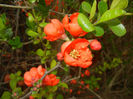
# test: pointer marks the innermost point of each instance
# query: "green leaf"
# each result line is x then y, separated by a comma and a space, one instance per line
119, 4
99, 31
63, 85
13, 84
111, 14
15, 42
32, 1
59, 96
43, 24
31, 33
6, 95
30, 17
40, 52
85, 23
102, 7
117, 28
86, 6
93, 10
2, 25
50, 96
53, 63
18, 73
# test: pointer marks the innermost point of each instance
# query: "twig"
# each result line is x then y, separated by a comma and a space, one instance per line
74, 77
59, 12
26, 43
17, 21
13, 6
114, 78
47, 72
98, 96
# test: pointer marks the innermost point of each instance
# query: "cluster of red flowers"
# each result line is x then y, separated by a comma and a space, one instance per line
76, 52
32, 76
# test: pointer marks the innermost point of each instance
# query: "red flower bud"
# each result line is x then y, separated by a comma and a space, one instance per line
73, 81
95, 45
87, 72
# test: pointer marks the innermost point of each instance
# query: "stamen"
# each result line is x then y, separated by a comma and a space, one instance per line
75, 54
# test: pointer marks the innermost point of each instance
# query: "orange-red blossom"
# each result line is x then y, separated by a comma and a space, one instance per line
76, 53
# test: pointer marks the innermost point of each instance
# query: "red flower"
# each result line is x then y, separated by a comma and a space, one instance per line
50, 80
54, 30
48, 2
95, 45
32, 76
73, 26
87, 72
78, 54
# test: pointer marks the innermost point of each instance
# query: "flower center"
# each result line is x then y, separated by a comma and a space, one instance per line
74, 53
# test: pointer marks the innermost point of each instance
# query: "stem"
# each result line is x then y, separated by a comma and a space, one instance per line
13, 6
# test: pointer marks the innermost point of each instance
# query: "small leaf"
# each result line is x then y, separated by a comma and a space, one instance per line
18, 73
93, 10
40, 52
53, 63
117, 28
63, 85
30, 17
99, 31
13, 84
86, 6
43, 24
31, 33
59, 96
111, 14
6, 95
85, 23
102, 7
32, 1
119, 4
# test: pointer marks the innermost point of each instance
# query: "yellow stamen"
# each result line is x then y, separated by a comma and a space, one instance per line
74, 53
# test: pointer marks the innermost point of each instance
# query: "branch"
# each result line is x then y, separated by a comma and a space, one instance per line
115, 76
98, 96
13, 6
59, 12
47, 72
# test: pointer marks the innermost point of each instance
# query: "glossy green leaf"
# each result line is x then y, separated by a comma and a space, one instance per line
93, 10
102, 7
111, 14
59, 96
117, 28
85, 23
86, 6
32, 33
53, 63
32, 1
6, 95
40, 52
99, 31
119, 4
